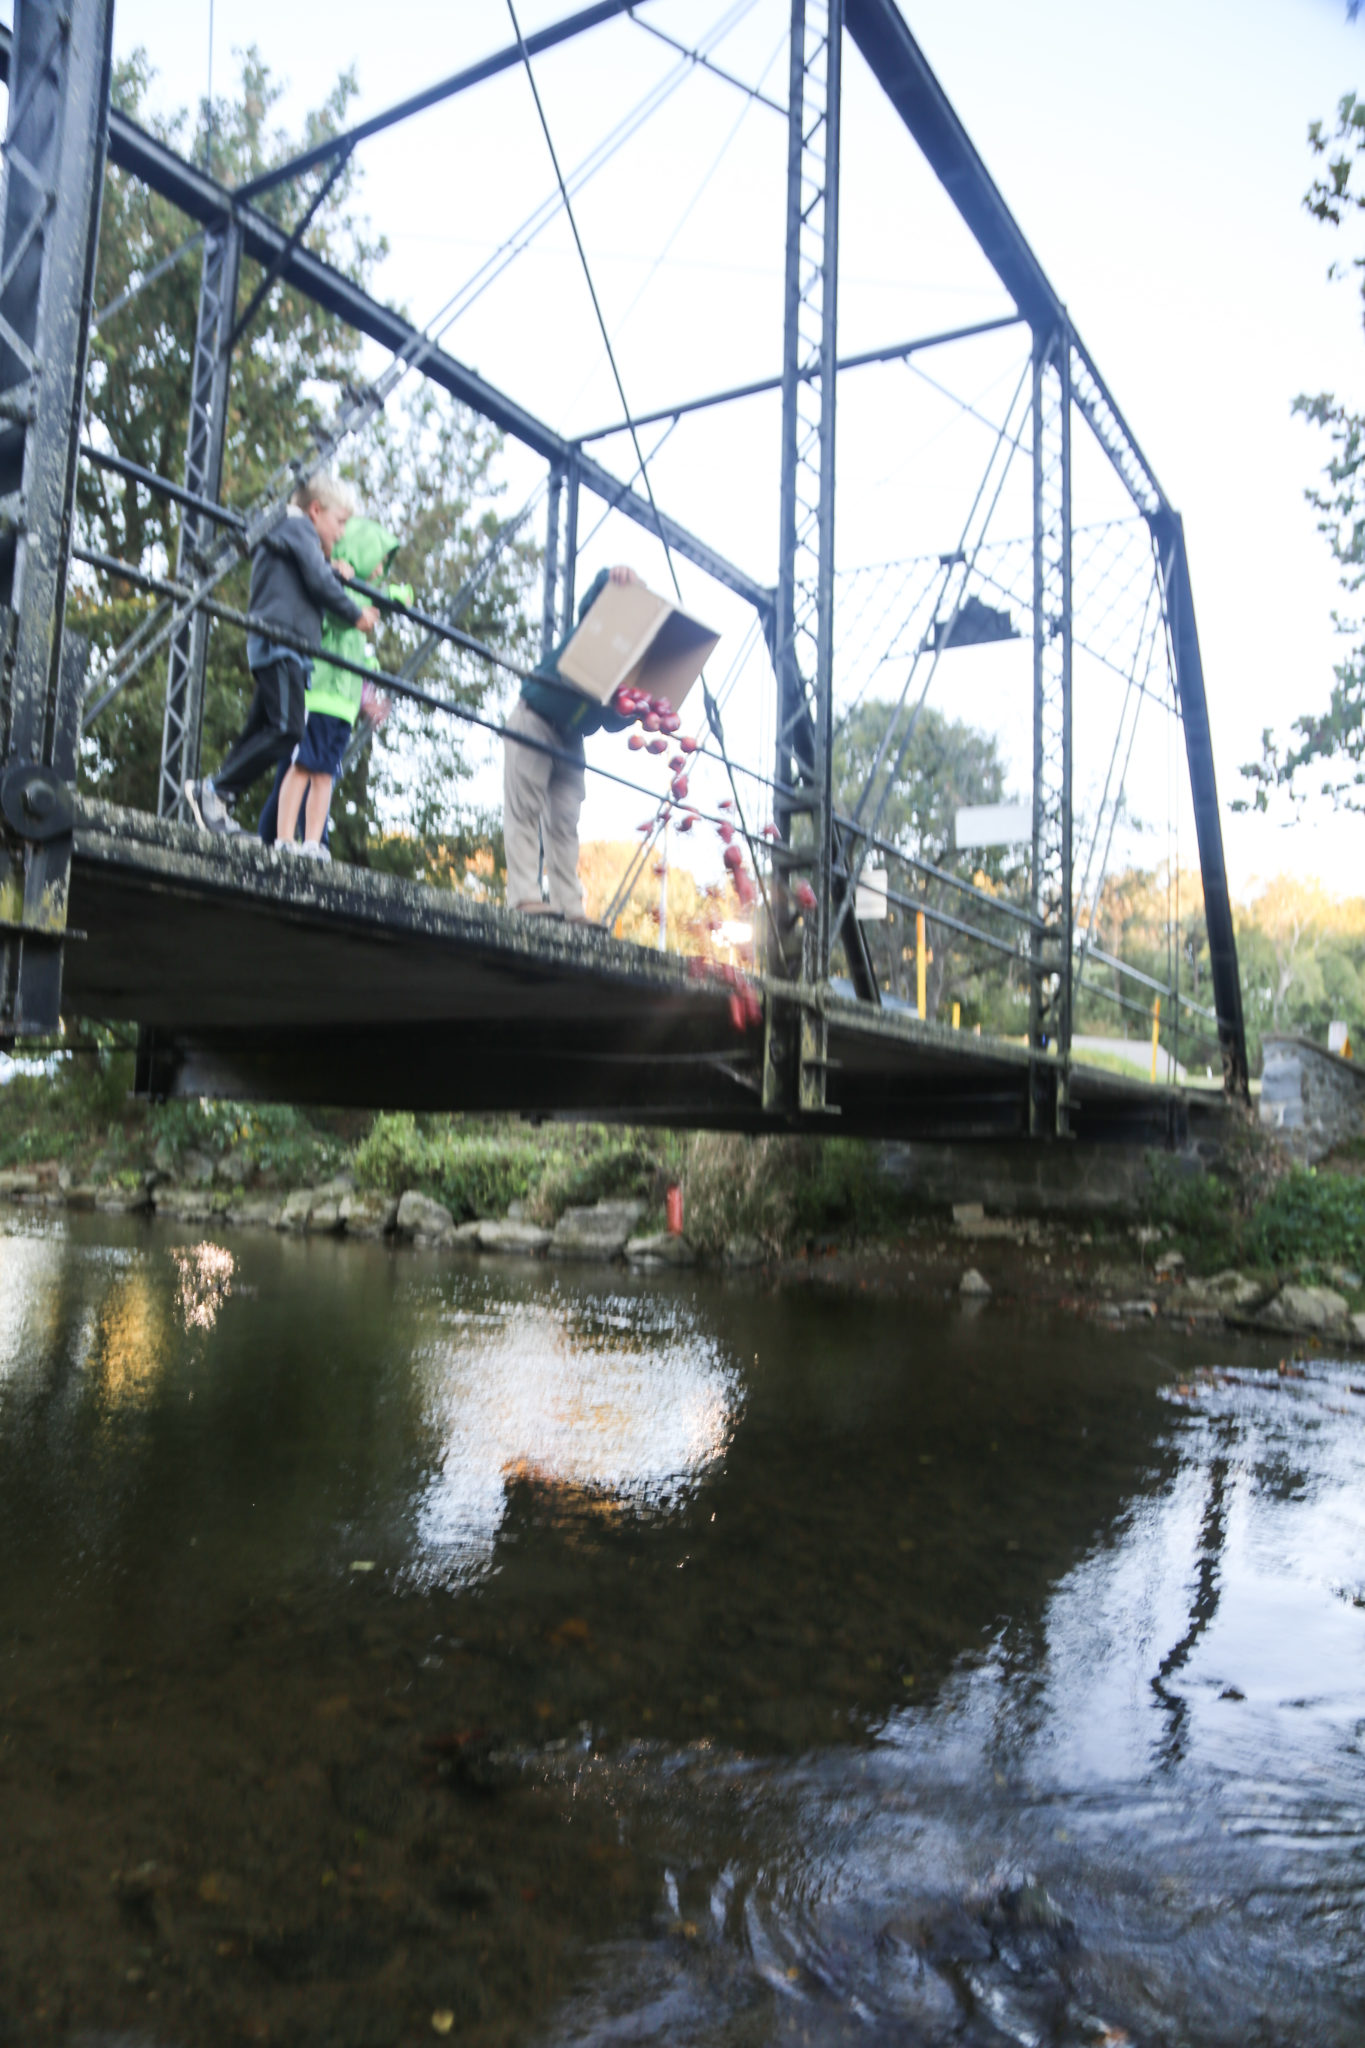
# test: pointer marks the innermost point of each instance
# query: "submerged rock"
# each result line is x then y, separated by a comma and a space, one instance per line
970, 1220
596, 1233
296, 1209
261, 1212
662, 1249
974, 1284
1234, 1293
1310, 1311
419, 1216
525, 1239
183, 1204
117, 1201
745, 1251
368, 1215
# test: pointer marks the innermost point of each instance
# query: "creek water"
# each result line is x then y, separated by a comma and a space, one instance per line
396, 1646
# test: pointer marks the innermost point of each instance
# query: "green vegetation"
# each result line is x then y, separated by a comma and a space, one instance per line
479, 1167
785, 1192
1255, 1212
1260, 1214
1332, 741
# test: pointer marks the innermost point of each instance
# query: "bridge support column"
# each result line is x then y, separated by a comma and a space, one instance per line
1168, 532
803, 630
54, 180
182, 730
1051, 962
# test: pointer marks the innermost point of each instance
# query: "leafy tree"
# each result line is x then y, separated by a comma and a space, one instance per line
1302, 954
947, 764
1332, 740
426, 468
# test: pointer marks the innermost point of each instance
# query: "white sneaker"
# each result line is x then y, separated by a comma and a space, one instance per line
211, 814
309, 849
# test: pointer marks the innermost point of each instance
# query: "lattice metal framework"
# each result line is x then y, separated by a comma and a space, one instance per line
803, 618
182, 730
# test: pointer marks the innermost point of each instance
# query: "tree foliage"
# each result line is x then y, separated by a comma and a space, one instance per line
1301, 951
947, 764
1332, 742
426, 468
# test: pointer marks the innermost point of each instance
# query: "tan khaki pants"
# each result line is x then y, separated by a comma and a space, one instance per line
541, 800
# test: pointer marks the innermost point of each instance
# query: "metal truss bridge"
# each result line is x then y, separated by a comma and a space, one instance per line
412, 996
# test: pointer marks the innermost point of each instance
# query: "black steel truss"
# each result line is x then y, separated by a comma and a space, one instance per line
798, 616
54, 172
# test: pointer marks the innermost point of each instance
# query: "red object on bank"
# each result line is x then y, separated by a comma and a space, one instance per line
673, 1210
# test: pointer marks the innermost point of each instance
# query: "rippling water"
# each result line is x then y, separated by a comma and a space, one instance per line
390, 1645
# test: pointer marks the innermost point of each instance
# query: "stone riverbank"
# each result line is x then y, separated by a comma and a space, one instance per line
1119, 1276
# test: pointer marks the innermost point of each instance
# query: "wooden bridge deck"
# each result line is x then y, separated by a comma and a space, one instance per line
259, 976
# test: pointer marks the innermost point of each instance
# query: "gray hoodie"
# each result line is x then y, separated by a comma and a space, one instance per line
291, 586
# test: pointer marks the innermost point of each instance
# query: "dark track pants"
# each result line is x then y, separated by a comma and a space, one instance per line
274, 727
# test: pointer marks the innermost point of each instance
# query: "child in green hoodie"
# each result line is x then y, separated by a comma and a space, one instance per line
334, 698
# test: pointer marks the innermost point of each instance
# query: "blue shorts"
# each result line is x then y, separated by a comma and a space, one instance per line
323, 744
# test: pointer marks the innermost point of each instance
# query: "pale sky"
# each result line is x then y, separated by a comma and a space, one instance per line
1155, 157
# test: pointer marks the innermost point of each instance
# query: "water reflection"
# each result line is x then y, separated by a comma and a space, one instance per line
129, 1349
30, 1270
205, 1282
1147, 1828
736, 1667
601, 1403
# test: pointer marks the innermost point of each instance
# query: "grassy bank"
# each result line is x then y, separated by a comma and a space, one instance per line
783, 1194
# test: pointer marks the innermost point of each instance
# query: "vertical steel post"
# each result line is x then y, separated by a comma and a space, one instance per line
1062, 1032
1050, 992
818, 943
792, 710
803, 628
187, 660
549, 607
1168, 532
54, 157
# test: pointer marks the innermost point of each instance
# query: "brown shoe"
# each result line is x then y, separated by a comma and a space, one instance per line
537, 909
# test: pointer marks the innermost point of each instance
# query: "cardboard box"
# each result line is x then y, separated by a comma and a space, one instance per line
633, 636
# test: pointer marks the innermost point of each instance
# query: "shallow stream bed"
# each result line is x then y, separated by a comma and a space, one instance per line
394, 1646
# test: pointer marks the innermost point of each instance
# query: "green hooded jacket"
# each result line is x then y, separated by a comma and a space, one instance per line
369, 548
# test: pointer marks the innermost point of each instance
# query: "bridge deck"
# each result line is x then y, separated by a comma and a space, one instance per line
261, 976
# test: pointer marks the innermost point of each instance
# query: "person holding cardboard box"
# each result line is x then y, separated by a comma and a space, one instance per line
543, 793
